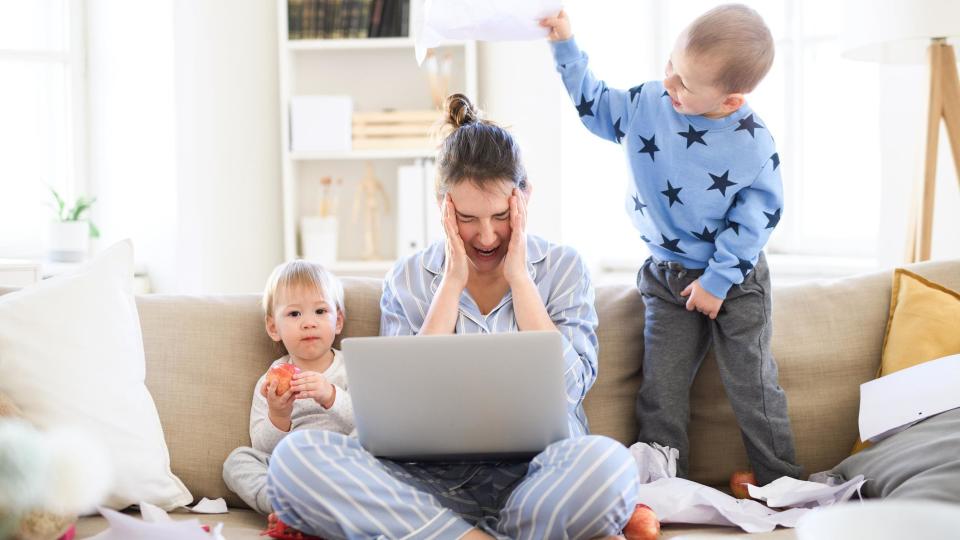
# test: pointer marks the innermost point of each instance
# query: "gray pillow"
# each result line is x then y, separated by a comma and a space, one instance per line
920, 462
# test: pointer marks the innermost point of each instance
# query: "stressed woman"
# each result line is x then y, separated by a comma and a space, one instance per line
487, 276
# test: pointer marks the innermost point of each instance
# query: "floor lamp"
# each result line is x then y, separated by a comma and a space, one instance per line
897, 32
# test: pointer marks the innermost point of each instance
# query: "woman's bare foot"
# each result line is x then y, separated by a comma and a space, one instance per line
476, 534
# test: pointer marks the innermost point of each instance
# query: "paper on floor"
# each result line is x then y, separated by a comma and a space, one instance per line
155, 525
654, 461
789, 492
896, 401
677, 500
489, 20
206, 506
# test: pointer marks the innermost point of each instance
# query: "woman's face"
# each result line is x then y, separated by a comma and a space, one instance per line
483, 220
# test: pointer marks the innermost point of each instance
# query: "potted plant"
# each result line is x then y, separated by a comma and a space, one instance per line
71, 231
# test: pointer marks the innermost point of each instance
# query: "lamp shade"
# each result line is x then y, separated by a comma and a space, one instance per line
897, 31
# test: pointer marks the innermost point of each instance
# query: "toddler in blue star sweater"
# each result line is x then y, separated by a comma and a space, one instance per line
705, 195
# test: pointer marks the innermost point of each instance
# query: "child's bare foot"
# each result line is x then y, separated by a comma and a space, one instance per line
739, 481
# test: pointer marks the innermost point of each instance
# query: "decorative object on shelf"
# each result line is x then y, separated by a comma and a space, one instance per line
900, 32
319, 234
320, 123
329, 196
391, 130
438, 76
372, 201
70, 233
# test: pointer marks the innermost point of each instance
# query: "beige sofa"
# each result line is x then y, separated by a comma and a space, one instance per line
204, 353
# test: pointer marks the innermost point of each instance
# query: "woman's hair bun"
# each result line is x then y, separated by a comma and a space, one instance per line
460, 111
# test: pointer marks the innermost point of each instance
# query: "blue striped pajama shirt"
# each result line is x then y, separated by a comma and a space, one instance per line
585, 486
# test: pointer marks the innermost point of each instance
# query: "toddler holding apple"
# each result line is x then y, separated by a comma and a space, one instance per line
307, 387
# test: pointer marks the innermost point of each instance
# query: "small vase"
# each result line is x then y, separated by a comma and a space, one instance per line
69, 241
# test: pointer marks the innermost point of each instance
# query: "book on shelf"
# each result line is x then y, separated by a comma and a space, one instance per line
339, 19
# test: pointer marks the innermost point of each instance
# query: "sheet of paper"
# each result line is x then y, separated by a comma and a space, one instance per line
789, 492
124, 527
889, 403
654, 461
677, 500
489, 20
206, 506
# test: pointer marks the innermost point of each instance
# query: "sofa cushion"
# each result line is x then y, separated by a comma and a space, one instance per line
71, 355
923, 322
204, 355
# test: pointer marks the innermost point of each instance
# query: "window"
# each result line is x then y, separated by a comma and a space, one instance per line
822, 109
41, 107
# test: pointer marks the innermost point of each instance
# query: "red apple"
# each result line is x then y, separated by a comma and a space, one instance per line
282, 374
643, 524
739, 481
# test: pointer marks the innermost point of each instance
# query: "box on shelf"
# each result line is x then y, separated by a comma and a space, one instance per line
320, 123
391, 130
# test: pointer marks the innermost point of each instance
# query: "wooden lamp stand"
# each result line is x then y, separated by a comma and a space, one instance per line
945, 104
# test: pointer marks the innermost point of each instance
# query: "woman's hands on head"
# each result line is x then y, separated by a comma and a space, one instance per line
515, 262
457, 268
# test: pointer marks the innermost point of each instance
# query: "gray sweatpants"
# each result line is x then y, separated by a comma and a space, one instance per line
675, 344
245, 473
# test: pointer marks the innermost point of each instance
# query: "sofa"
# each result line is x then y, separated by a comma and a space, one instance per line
204, 354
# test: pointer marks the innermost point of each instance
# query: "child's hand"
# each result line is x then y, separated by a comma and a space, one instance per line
559, 26
310, 384
280, 408
701, 300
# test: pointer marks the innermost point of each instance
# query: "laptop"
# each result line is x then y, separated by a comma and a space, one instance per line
459, 397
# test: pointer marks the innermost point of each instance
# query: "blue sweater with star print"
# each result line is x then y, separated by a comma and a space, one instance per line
705, 192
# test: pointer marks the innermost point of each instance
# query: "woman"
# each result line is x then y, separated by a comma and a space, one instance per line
487, 276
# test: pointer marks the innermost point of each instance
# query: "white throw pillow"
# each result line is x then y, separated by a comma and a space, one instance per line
71, 353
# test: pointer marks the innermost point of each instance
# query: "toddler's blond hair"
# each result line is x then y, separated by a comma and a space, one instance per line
735, 36
300, 273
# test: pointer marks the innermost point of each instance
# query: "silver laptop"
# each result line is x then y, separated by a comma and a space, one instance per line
457, 397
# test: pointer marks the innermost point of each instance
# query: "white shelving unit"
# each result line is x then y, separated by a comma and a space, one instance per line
379, 74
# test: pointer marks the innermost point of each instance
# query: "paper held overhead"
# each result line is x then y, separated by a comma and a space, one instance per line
490, 20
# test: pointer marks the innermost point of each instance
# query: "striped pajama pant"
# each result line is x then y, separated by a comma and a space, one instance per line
325, 484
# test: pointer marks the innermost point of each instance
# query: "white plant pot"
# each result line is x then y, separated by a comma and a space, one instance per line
318, 238
68, 241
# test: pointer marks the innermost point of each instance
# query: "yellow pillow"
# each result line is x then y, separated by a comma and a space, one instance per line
923, 325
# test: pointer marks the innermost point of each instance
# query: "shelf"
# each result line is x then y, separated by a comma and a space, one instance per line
364, 154
348, 44
359, 44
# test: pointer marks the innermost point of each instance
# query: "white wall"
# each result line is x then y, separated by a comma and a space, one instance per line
131, 114
520, 89
185, 145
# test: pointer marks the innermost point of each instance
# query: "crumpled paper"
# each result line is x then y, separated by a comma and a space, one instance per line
157, 525
677, 500
487, 20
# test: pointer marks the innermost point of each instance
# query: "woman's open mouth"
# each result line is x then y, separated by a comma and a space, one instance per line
486, 253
